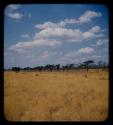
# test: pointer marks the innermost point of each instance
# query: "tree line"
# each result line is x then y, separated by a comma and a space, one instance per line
85, 65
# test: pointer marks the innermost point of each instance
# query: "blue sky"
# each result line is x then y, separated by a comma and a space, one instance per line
40, 34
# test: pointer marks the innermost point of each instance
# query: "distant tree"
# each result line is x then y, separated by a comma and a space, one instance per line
87, 63
101, 65
81, 66
66, 67
46, 67
63, 68
58, 67
40, 68
27, 68
51, 68
71, 66
16, 69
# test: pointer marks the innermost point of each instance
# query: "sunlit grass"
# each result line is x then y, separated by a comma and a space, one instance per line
56, 96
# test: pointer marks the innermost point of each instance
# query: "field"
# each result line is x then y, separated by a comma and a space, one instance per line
56, 96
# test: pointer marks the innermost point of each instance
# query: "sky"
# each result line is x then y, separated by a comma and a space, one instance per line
41, 34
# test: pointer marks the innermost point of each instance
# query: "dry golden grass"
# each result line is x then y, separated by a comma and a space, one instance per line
56, 96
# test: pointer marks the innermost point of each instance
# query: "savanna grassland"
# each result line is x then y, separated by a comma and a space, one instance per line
56, 96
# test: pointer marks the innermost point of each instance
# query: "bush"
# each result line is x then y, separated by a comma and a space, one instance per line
16, 69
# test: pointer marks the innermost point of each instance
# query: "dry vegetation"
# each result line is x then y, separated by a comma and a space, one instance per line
55, 96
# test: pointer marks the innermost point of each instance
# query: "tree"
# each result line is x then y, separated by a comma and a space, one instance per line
27, 68
16, 69
101, 64
87, 63
71, 66
58, 67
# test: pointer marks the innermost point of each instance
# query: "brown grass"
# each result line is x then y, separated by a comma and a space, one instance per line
56, 96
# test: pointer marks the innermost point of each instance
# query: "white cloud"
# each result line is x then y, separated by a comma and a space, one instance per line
96, 56
96, 29
14, 6
15, 15
35, 43
44, 55
86, 50
47, 37
60, 33
101, 42
46, 25
11, 12
66, 34
71, 21
61, 24
54, 34
88, 34
47, 54
24, 35
77, 56
88, 15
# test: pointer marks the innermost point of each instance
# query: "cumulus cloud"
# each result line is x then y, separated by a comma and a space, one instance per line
52, 37
25, 36
101, 42
12, 12
96, 29
52, 30
86, 50
66, 34
35, 43
46, 25
47, 54
88, 34
44, 55
13, 6
47, 37
60, 33
86, 17
71, 21
15, 15
78, 55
